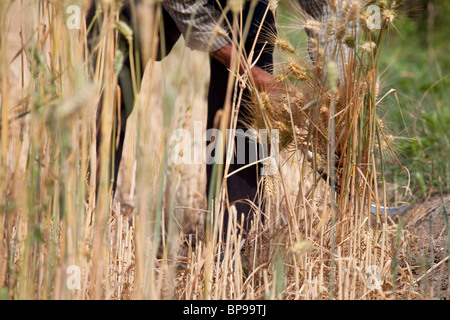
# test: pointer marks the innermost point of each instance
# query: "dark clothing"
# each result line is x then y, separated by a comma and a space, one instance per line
314, 8
127, 101
243, 185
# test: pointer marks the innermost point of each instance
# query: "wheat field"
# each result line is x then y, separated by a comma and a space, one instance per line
64, 237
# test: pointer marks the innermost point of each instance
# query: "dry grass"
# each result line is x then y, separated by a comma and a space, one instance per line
150, 242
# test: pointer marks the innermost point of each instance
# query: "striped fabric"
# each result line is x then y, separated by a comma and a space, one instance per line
197, 21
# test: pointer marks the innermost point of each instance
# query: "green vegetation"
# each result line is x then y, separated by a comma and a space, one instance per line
417, 65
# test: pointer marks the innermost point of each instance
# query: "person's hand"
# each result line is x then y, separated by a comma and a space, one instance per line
264, 81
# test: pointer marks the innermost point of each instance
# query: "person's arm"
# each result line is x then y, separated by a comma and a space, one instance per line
321, 11
263, 80
197, 21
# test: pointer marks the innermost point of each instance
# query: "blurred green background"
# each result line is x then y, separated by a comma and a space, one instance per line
416, 62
